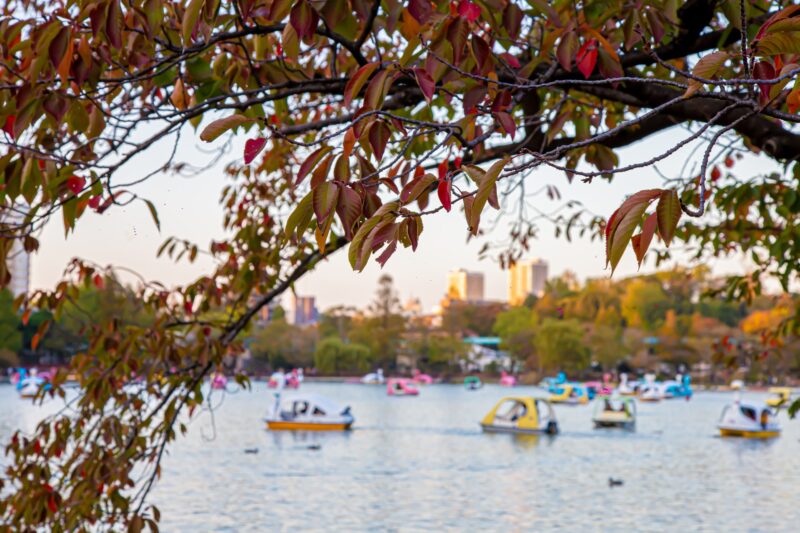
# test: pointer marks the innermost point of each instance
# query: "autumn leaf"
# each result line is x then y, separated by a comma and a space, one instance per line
586, 58
220, 126
304, 19
357, 81
425, 82
669, 213
444, 192
706, 68
252, 147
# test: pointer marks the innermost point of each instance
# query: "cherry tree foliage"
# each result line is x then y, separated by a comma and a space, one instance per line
359, 119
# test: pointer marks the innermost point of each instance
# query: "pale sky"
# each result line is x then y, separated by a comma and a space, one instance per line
188, 208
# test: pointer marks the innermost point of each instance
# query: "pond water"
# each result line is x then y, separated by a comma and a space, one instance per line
422, 463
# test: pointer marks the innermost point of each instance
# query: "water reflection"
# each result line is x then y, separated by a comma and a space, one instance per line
424, 464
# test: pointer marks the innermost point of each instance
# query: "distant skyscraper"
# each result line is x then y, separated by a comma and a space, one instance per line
267, 313
302, 311
19, 261
465, 286
526, 278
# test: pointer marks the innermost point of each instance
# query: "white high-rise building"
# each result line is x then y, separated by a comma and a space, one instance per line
526, 278
465, 286
18, 261
302, 310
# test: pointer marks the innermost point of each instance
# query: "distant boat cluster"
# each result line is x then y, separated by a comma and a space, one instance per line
615, 406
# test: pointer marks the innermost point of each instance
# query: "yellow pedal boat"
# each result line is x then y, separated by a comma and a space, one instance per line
570, 394
521, 414
781, 396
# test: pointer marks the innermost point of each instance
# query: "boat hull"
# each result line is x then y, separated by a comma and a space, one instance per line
627, 424
491, 428
284, 425
569, 402
749, 434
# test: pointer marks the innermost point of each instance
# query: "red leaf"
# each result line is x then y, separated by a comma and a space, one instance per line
764, 71
349, 209
642, 241
512, 20
97, 279
507, 122
420, 10
445, 194
75, 184
379, 135
51, 504
586, 58
187, 306
512, 61
425, 82
715, 174
483, 55
358, 80
442, 169
469, 11
8, 127
58, 47
252, 148
387, 253
114, 24
304, 19
310, 162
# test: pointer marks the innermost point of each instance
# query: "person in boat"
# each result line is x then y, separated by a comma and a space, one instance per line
518, 412
764, 419
300, 408
607, 406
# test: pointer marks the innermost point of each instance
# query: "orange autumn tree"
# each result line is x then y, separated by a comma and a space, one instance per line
360, 119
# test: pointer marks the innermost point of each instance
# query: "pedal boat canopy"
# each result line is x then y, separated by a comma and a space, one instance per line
521, 414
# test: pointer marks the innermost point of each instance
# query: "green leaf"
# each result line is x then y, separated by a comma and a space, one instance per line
485, 188
220, 126
324, 201
669, 212
190, 17
354, 252
623, 232
300, 217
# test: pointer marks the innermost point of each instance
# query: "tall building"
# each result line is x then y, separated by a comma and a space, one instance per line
19, 261
302, 310
465, 286
526, 278
267, 313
